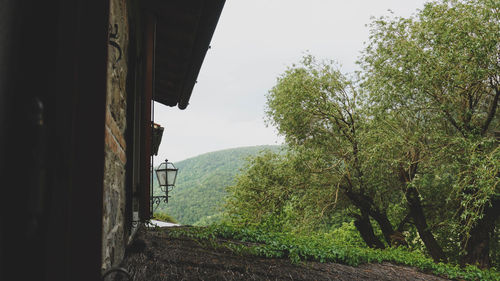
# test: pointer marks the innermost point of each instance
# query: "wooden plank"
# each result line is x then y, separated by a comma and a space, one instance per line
145, 212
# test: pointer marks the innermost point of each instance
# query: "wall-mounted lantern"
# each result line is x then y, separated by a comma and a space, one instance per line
166, 174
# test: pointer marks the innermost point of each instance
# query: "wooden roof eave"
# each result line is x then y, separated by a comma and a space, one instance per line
183, 26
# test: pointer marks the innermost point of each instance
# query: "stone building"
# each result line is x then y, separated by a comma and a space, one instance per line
77, 81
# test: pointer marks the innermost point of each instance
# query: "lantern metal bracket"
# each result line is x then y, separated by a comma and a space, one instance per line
159, 199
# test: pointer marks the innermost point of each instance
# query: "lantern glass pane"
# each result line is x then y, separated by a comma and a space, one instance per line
162, 177
171, 175
161, 174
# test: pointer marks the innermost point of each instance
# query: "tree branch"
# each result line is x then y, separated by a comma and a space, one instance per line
402, 224
448, 115
492, 110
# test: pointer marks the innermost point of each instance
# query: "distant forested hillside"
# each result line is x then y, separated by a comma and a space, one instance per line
201, 183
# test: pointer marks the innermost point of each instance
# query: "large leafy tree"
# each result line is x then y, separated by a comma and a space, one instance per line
411, 146
316, 108
441, 70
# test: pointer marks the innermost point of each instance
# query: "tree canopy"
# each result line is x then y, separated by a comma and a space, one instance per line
406, 149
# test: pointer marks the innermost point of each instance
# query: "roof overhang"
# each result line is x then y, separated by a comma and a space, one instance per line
184, 29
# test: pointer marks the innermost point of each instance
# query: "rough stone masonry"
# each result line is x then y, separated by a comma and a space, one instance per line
115, 157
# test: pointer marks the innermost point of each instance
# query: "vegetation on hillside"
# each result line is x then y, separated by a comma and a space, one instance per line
405, 151
201, 184
335, 246
164, 217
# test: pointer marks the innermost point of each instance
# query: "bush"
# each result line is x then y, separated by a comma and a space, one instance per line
164, 217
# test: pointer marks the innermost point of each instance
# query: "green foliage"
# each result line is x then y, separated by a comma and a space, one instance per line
324, 247
201, 182
407, 148
440, 70
277, 191
164, 217
266, 186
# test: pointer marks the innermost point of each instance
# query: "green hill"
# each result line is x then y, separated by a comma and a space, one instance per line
201, 183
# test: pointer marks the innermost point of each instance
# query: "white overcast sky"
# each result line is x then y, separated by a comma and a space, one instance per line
254, 42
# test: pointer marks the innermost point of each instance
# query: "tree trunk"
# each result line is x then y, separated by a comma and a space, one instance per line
385, 225
416, 210
420, 222
365, 204
477, 247
364, 226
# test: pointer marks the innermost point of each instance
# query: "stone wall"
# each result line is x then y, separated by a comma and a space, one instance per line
114, 193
